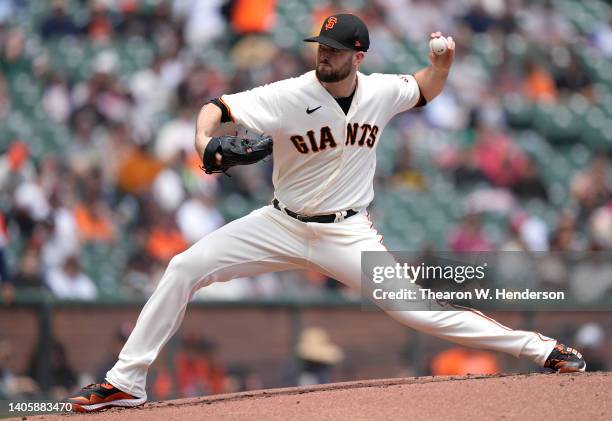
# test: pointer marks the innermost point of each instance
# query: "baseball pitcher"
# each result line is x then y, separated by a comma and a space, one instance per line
326, 125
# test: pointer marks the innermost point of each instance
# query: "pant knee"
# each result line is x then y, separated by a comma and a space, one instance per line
178, 265
185, 269
200, 266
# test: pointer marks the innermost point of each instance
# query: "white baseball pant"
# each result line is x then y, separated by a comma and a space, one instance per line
268, 240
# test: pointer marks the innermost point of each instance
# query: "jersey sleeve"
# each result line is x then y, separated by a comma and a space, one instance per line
406, 92
398, 92
255, 109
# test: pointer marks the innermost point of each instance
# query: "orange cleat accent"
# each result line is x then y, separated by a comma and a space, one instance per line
95, 397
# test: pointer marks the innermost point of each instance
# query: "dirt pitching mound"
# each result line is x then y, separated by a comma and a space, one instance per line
528, 397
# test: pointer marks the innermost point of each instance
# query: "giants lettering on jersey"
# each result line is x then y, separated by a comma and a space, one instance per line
356, 134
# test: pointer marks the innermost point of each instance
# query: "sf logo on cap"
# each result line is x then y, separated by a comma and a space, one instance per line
331, 22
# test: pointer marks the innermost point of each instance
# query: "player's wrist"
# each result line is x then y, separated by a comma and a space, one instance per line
440, 71
201, 143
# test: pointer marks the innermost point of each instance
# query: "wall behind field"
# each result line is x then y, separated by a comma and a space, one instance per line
263, 338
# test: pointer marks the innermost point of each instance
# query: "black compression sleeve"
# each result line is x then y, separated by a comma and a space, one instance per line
226, 116
422, 101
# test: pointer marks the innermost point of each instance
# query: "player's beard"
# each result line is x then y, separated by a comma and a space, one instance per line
329, 75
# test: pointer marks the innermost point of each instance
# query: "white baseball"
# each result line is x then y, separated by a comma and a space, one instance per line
438, 45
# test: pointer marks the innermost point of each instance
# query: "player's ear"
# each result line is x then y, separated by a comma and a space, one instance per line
358, 57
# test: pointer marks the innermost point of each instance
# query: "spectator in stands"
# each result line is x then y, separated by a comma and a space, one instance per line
477, 18
140, 273
115, 144
502, 162
152, 94
58, 23
165, 239
203, 20
99, 25
13, 386
138, 280
592, 187
137, 169
565, 237
466, 171
62, 377
131, 22
318, 355
198, 368
161, 21
176, 136
530, 185
63, 237
532, 230
539, 85
31, 206
572, 78
82, 153
591, 339
112, 100
16, 167
198, 215
469, 236
70, 283
56, 98
168, 190
94, 221
13, 58
600, 226
29, 271
405, 174
253, 16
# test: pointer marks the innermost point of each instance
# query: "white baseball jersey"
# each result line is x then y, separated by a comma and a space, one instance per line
324, 160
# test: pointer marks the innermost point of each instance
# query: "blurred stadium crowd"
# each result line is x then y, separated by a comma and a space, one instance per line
100, 185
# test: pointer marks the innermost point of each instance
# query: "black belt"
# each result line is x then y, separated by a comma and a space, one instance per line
322, 219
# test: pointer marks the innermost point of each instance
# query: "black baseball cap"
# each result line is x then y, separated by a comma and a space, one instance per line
343, 32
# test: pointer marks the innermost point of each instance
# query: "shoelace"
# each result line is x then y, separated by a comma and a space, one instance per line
569, 351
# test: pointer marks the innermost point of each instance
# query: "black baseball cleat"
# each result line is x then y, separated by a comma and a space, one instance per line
100, 396
564, 359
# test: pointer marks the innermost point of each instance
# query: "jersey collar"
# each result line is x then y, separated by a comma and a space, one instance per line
331, 101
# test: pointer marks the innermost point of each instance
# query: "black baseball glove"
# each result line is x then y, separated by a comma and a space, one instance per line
234, 151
